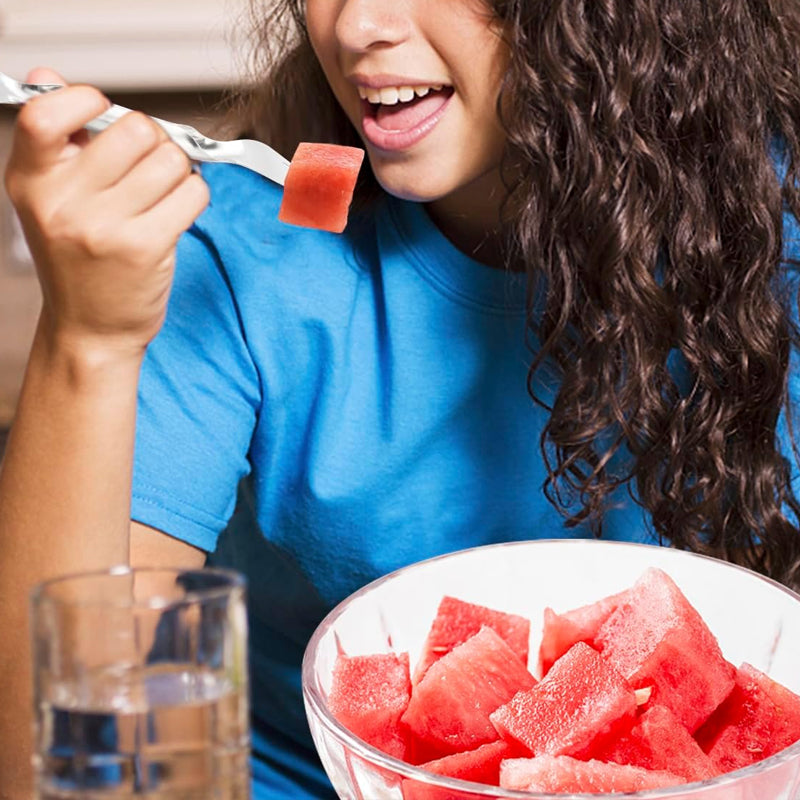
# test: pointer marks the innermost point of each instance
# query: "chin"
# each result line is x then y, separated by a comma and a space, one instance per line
413, 188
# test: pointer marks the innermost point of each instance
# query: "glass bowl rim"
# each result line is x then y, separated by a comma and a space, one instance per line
234, 582
313, 694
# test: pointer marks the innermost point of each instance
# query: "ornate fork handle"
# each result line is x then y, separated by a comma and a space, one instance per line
251, 154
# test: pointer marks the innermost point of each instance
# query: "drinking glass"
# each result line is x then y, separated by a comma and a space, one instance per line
141, 686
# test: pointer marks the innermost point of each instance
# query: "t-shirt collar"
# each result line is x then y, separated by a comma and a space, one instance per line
441, 263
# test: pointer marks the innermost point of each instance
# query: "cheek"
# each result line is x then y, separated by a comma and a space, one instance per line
320, 18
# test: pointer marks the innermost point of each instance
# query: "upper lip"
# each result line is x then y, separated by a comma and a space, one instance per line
384, 81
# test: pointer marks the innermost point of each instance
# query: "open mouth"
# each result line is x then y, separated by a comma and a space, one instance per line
403, 108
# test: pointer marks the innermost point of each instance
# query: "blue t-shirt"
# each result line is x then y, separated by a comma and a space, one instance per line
319, 410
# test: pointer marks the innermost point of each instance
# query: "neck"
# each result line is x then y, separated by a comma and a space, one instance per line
471, 219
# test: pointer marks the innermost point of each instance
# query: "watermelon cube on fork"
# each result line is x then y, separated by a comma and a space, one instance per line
319, 186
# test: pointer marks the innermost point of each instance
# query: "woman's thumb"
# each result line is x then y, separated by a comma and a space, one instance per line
44, 75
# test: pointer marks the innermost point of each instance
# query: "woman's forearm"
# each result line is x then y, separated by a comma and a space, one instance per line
64, 506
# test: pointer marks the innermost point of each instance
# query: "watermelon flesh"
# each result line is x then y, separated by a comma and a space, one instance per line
481, 765
368, 696
786, 729
580, 701
450, 707
477, 714
657, 639
456, 621
750, 725
561, 631
562, 774
319, 186
657, 741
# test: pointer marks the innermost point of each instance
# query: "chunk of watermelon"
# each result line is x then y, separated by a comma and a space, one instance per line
481, 765
457, 620
656, 638
786, 730
561, 631
581, 700
319, 186
758, 719
449, 708
560, 774
657, 741
369, 695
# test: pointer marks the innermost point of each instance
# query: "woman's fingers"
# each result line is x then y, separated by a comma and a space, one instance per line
115, 152
44, 75
50, 76
180, 207
46, 124
38, 177
151, 179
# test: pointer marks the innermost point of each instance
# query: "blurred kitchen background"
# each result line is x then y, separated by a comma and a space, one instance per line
171, 58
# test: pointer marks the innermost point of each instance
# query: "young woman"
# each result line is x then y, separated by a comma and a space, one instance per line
565, 306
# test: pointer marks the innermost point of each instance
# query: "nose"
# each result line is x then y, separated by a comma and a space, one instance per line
364, 25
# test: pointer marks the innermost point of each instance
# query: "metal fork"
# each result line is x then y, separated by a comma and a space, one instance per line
247, 153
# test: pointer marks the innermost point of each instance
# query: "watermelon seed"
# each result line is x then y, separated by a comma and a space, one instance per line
643, 695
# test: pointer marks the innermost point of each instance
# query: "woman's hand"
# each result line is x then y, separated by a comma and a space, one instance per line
102, 217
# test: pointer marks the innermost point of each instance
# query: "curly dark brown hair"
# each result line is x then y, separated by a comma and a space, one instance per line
645, 199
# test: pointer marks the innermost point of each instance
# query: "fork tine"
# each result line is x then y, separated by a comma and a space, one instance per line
248, 153
256, 156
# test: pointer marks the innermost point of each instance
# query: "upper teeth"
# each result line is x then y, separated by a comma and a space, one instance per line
391, 95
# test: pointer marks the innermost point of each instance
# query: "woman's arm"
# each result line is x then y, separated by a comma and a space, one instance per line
102, 218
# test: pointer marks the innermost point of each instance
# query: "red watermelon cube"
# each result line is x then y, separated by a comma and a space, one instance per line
758, 719
561, 631
369, 695
457, 620
657, 741
481, 765
319, 186
657, 639
450, 707
580, 701
562, 774
786, 730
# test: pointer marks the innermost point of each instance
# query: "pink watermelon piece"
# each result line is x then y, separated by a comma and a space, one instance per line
561, 774
369, 695
456, 621
561, 631
450, 707
481, 765
657, 639
758, 719
786, 730
581, 700
319, 186
657, 741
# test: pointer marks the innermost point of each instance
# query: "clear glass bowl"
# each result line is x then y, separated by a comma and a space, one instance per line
755, 620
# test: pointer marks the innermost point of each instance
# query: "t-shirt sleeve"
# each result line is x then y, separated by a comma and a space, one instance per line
198, 399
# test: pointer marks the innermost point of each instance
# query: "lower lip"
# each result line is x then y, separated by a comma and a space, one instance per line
395, 141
